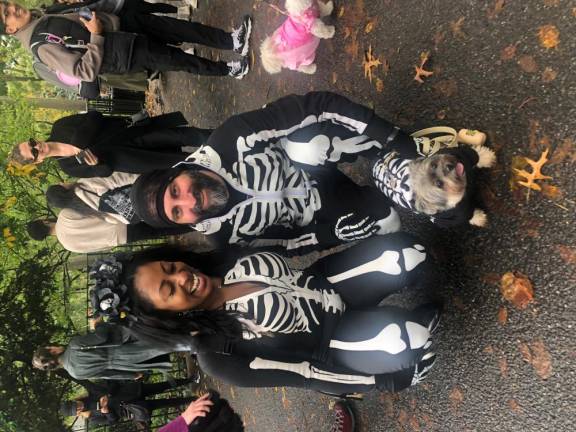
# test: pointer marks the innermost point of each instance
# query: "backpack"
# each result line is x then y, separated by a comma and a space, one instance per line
86, 89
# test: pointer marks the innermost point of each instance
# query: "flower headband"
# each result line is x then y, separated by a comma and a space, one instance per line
108, 295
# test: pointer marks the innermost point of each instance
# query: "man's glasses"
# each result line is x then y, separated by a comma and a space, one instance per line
32, 143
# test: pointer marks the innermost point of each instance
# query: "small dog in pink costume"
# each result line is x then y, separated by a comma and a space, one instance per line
293, 45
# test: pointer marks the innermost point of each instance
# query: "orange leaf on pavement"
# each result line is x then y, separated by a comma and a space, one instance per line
502, 315
549, 36
517, 289
567, 253
538, 356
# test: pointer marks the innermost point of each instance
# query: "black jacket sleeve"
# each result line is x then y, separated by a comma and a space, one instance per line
142, 231
74, 169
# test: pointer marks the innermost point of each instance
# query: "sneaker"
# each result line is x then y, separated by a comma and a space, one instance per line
190, 51
238, 69
429, 315
344, 421
241, 36
422, 369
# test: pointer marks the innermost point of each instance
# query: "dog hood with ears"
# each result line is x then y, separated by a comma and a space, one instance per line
391, 175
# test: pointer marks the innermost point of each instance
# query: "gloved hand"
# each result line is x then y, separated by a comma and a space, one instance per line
351, 227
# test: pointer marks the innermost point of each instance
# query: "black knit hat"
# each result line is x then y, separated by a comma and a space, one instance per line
68, 408
147, 196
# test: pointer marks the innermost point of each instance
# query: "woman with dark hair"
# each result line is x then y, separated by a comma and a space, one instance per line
260, 323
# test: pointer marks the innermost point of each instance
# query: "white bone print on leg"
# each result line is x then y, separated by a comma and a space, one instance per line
413, 257
388, 340
417, 334
385, 263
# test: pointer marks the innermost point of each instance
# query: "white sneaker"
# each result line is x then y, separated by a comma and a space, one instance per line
241, 36
238, 69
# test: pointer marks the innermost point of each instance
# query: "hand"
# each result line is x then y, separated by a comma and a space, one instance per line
138, 376
348, 228
94, 26
104, 405
198, 408
90, 158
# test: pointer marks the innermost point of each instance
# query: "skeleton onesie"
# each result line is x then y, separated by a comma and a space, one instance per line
320, 327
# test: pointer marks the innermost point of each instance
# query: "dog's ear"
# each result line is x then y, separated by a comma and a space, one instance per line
479, 219
486, 157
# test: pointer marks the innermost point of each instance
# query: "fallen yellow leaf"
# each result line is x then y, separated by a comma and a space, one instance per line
549, 36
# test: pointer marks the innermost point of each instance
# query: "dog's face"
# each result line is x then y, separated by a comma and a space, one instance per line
438, 183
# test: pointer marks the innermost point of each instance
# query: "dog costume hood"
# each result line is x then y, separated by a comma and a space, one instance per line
391, 174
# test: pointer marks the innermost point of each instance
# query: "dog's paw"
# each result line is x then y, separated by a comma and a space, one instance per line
479, 219
326, 8
486, 157
307, 69
322, 31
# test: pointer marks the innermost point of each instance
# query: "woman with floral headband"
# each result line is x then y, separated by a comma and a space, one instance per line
257, 322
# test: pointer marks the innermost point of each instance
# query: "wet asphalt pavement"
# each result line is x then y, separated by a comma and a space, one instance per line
501, 66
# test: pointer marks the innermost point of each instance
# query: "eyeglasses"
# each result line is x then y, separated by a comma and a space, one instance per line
32, 143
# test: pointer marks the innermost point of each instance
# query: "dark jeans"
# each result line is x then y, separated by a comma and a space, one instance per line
152, 389
145, 7
150, 55
175, 31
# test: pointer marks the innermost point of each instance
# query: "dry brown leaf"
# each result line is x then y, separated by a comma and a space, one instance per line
379, 85
509, 52
347, 32
551, 2
549, 74
551, 191
493, 12
456, 398
517, 163
403, 418
528, 64
514, 406
567, 253
414, 425
370, 62
538, 356
530, 178
370, 25
503, 365
549, 36
341, 12
334, 78
517, 289
353, 47
438, 38
564, 151
502, 316
420, 71
456, 27
448, 87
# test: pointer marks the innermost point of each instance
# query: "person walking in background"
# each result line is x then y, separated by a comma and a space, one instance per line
107, 44
94, 145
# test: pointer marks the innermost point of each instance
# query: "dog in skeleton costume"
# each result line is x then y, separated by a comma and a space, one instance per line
440, 186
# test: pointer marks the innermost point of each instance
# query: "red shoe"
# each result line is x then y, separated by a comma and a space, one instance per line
344, 421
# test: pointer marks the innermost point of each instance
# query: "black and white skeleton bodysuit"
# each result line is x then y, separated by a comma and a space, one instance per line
391, 174
283, 159
320, 328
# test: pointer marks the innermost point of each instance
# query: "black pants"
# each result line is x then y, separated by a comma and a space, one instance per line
175, 31
145, 7
152, 389
150, 55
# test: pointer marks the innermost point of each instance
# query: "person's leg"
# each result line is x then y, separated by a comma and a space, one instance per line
151, 55
151, 389
148, 8
380, 340
371, 270
175, 31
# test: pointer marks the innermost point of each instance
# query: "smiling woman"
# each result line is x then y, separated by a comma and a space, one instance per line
257, 322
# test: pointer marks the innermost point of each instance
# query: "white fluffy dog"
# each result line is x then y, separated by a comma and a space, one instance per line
293, 45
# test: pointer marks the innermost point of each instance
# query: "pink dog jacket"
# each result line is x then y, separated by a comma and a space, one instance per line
293, 39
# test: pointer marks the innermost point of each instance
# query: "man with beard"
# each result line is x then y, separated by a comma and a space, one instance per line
268, 178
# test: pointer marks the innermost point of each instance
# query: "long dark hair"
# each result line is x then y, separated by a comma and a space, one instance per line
65, 197
155, 322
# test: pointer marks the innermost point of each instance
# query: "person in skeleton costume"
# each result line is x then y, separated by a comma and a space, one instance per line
269, 177
97, 214
257, 322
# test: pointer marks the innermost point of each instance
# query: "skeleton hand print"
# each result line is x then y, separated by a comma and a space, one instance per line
349, 228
